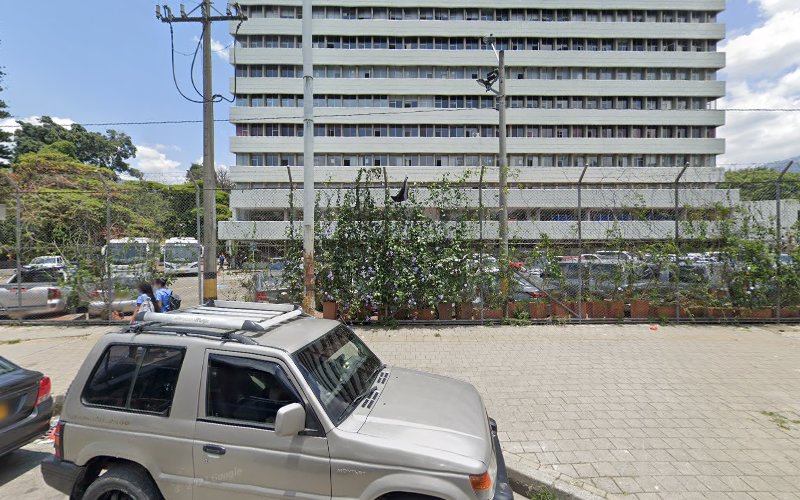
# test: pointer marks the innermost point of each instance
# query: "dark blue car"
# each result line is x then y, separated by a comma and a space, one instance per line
25, 406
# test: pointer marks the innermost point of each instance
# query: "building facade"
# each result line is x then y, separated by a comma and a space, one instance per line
617, 85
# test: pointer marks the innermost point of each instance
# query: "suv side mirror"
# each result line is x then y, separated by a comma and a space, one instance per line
290, 420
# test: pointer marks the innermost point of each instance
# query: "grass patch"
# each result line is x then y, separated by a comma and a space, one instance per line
543, 494
781, 421
10, 342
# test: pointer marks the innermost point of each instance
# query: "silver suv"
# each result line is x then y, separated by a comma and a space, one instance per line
239, 400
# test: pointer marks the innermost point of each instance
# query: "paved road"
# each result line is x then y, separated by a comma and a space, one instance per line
681, 412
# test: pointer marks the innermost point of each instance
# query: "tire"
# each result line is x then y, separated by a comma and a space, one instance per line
123, 482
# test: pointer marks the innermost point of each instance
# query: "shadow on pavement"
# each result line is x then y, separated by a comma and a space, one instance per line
18, 463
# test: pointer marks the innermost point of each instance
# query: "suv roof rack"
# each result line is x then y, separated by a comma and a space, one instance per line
228, 315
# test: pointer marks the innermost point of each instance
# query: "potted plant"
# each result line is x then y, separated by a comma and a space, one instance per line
538, 308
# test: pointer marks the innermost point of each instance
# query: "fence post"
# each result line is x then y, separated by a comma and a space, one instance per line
198, 226
480, 235
677, 244
107, 284
17, 236
779, 240
580, 244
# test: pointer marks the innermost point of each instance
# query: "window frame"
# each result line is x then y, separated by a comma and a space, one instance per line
166, 413
295, 386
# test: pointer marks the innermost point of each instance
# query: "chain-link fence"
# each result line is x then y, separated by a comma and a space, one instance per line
77, 247
584, 244
596, 244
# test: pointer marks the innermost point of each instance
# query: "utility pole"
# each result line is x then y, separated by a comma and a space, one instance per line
309, 300
499, 77
503, 175
209, 172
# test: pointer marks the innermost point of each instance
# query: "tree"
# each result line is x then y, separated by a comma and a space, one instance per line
5, 135
110, 150
195, 172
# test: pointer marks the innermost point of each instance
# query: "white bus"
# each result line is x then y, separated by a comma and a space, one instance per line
131, 257
181, 256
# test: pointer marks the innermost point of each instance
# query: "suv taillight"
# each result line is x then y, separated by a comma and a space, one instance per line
45, 386
58, 440
53, 293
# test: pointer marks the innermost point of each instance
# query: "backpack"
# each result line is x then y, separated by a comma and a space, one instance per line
174, 301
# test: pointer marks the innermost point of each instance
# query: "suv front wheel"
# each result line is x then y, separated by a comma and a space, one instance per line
123, 482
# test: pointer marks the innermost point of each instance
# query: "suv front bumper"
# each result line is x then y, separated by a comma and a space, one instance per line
503, 489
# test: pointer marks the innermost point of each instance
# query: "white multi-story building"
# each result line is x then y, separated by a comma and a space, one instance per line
618, 85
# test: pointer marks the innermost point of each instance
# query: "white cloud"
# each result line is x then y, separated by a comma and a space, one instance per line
763, 71
11, 125
223, 51
220, 49
155, 165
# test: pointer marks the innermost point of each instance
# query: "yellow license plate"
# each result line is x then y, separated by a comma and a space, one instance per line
3, 410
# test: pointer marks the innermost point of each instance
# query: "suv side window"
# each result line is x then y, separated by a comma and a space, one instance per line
246, 390
135, 378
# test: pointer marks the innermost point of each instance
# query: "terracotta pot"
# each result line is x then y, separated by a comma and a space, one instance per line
664, 311
758, 313
615, 309
514, 308
329, 310
720, 312
424, 315
464, 311
696, 312
490, 314
401, 314
560, 311
538, 310
640, 309
445, 311
590, 310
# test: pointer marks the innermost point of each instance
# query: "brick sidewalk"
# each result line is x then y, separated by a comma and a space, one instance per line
679, 412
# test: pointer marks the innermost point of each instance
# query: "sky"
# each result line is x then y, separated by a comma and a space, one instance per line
99, 61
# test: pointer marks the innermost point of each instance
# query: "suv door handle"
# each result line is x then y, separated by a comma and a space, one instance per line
213, 449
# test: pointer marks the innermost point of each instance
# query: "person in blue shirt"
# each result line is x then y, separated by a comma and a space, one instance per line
162, 294
145, 302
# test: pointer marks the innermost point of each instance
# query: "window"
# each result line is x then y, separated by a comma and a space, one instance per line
152, 370
246, 390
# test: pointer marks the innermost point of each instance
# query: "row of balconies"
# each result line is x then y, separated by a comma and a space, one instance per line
713, 60
478, 29
416, 86
516, 116
391, 145
517, 198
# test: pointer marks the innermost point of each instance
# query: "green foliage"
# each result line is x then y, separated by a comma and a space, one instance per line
5, 137
759, 184
109, 151
372, 252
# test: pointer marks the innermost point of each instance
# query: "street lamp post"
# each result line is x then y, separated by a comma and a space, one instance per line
499, 76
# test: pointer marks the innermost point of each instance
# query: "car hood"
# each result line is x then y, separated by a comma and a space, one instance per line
433, 412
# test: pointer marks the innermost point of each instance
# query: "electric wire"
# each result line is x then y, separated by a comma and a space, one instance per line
174, 76
344, 115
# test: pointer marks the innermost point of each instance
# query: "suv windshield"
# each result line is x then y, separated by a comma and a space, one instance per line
340, 369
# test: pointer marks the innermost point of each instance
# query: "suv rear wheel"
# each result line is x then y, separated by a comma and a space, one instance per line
123, 482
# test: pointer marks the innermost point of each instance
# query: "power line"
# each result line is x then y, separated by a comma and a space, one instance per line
356, 115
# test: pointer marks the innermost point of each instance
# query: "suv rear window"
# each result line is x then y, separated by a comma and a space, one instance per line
135, 378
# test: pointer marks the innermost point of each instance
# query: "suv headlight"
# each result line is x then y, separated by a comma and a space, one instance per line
484, 484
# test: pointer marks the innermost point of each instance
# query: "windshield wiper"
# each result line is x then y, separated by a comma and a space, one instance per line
376, 372
350, 407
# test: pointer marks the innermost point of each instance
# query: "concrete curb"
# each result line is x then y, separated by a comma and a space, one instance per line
527, 479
